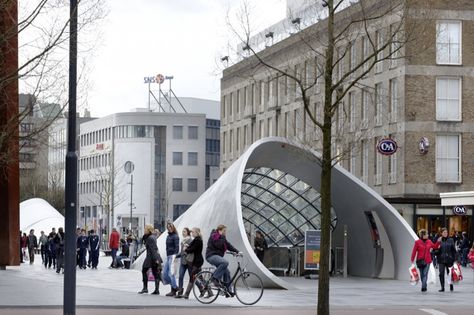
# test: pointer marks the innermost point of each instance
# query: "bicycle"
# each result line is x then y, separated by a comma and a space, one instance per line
248, 287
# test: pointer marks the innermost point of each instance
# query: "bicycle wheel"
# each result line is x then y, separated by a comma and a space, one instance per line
248, 288
204, 290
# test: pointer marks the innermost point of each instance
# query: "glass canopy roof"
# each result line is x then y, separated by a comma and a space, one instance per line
281, 206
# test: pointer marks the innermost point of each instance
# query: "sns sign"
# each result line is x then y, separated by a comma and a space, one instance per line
387, 146
159, 78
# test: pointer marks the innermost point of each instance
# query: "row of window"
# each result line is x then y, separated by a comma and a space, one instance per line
121, 132
94, 187
192, 158
178, 133
178, 184
448, 161
91, 162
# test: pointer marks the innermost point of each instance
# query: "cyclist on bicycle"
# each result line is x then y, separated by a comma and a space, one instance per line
216, 248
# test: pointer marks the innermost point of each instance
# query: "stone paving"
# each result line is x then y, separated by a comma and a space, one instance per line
33, 286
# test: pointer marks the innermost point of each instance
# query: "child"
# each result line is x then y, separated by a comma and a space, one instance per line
470, 256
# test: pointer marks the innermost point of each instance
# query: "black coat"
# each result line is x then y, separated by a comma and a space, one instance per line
152, 255
447, 252
195, 247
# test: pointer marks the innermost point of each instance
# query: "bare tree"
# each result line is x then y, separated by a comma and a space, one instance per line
106, 181
42, 71
322, 67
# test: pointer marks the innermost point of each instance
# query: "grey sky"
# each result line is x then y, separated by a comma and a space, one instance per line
183, 38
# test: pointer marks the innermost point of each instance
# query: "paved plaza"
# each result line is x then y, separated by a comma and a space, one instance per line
31, 289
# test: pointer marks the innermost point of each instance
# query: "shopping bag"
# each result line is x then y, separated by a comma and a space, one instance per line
414, 275
432, 275
456, 273
150, 275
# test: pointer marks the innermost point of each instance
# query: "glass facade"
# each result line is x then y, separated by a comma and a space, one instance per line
281, 206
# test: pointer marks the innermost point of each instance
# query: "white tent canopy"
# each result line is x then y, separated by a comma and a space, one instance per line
39, 215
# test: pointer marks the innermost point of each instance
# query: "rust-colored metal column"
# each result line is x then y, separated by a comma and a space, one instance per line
9, 168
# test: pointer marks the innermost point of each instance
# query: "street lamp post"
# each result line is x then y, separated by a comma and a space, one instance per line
129, 167
69, 295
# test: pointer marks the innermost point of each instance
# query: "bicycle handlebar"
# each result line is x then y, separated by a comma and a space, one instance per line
239, 254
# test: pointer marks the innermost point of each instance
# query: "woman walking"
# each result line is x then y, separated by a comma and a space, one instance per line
194, 258
152, 260
446, 257
183, 266
172, 249
422, 250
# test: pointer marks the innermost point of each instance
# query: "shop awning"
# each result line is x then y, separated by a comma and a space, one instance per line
464, 198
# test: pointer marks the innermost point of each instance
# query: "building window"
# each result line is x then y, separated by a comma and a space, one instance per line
231, 141
364, 109
178, 132
261, 129
192, 158
365, 53
352, 160
393, 100
178, 210
392, 166
448, 158
364, 161
177, 184
353, 58
352, 110
177, 158
448, 42
379, 64
394, 46
192, 185
192, 132
448, 99
377, 166
378, 104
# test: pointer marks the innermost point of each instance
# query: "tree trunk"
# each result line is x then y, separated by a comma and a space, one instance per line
326, 166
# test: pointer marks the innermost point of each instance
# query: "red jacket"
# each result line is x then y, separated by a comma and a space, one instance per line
422, 250
114, 240
470, 256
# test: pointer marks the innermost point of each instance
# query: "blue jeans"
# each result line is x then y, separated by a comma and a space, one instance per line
464, 253
167, 275
424, 276
113, 253
222, 272
182, 272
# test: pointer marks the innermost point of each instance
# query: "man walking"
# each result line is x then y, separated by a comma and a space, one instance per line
42, 243
59, 242
94, 245
114, 245
32, 243
82, 244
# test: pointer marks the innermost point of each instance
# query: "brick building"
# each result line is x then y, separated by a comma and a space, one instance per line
424, 101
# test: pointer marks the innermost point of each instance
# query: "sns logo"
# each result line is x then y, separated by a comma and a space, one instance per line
387, 146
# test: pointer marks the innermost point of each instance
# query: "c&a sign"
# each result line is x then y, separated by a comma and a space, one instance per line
387, 146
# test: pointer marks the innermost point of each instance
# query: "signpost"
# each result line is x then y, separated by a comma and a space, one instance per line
459, 210
312, 249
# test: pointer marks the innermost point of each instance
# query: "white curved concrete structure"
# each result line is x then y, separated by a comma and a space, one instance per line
352, 199
39, 215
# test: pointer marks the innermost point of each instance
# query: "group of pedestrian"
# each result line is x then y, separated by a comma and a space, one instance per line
185, 256
445, 251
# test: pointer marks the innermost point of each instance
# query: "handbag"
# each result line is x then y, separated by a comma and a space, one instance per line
150, 275
189, 258
414, 275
